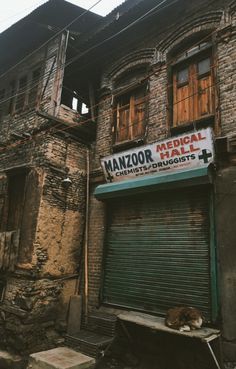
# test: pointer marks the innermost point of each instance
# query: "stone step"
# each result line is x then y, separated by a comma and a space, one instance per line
101, 323
60, 358
89, 343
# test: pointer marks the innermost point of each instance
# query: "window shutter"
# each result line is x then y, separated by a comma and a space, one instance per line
29, 217
182, 98
205, 88
193, 93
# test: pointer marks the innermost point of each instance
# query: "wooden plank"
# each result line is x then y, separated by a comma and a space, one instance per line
2, 248
29, 216
175, 105
131, 119
139, 117
193, 93
13, 257
158, 324
205, 106
7, 250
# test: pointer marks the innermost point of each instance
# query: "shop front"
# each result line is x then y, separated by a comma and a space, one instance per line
160, 249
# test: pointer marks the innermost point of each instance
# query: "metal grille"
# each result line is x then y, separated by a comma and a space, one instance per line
157, 252
89, 343
101, 323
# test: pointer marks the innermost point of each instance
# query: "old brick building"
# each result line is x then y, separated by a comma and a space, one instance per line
157, 77
161, 229
44, 146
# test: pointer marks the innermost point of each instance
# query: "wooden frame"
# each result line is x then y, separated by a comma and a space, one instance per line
130, 115
194, 99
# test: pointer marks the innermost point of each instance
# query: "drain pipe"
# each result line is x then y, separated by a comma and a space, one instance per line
86, 288
75, 306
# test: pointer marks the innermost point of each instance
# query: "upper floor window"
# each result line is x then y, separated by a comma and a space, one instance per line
130, 114
193, 86
21, 93
34, 86
2, 97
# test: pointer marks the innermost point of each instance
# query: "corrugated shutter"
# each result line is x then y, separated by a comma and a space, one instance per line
158, 252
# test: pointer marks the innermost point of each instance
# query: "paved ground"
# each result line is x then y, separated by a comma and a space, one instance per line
122, 359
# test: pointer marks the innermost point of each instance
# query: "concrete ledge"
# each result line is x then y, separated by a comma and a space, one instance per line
60, 358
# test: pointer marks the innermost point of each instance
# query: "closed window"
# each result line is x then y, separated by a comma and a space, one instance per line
2, 105
193, 90
34, 87
130, 114
23, 93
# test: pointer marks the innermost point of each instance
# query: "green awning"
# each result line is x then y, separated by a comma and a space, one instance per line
154, 183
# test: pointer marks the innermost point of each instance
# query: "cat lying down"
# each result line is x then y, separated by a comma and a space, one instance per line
184, 318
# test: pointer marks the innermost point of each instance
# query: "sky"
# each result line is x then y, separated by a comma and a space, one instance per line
13, 10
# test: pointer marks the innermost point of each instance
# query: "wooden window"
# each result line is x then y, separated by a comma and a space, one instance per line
2, 105
130, 115
20, 200
16, 193
2, 289
24, 92
21, 94
34, 87
193, 90
12, 91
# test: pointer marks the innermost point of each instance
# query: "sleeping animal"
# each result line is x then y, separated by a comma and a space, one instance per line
184, 318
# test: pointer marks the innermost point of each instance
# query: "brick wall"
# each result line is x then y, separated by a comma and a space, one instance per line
226, 52
168, 37
35, 302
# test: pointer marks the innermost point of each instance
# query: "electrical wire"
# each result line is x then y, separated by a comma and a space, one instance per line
27, 90
65, 64
177, 102
58, 66
122, 30
56, 129
50, 39
95, 46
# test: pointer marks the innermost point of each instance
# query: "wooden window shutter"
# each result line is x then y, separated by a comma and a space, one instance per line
21, 94
122, 121
29, 216
205, 87
3, 201
182, 90
131, 118
193, 97
139, 115
34, 86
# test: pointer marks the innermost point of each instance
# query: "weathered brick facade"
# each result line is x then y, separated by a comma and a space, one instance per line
43, 271
154, 47
43, 144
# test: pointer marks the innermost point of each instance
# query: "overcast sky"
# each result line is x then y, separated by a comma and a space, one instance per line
13, 10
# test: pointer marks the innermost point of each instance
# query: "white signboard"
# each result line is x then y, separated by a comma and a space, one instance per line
188, 151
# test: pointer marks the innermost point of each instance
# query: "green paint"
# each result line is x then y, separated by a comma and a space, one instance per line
153, 183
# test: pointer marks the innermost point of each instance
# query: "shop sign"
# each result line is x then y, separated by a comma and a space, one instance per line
188, 151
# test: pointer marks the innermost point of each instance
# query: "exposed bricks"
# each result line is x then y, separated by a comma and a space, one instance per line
182, 28
37, 293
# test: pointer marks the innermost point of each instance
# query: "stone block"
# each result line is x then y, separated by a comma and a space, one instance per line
60, 358
75, 311
10, 361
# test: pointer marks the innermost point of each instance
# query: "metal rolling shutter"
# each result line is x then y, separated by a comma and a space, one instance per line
157, 252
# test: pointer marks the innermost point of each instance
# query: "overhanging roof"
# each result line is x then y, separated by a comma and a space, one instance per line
154, 183
33, 30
